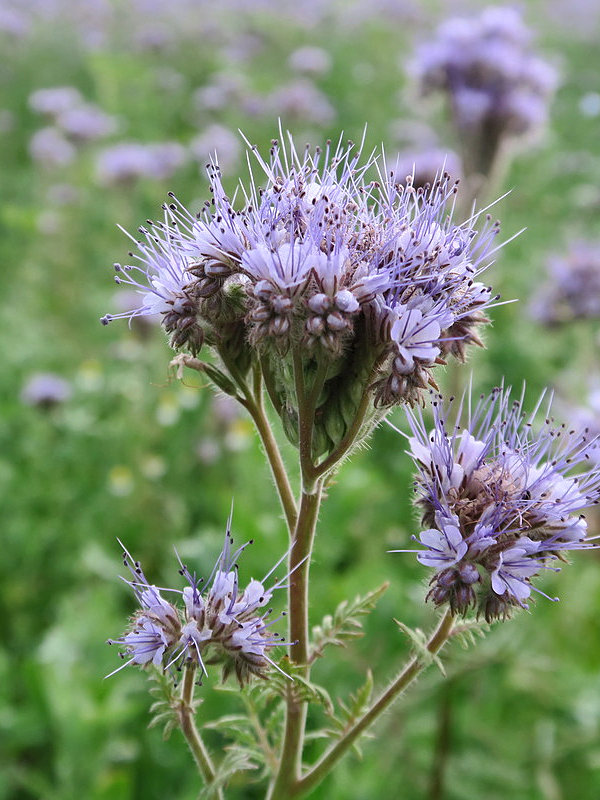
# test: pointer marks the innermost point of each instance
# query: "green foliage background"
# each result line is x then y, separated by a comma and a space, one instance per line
522, 709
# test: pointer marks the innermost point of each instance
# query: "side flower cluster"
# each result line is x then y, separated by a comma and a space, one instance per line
322, 266
496, 86
500, 501
216, 622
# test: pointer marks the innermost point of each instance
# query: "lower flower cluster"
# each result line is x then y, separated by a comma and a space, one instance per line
500, 502
218, 624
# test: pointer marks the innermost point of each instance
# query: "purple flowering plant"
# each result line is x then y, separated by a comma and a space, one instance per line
333, 291
497, 88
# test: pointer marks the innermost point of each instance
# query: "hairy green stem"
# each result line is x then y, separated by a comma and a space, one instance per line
414, 667
253, 403
185, 712
256, 410
293, 742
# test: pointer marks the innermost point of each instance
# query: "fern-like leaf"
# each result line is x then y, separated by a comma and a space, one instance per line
349, 713
345, 623
302, 690
236, 759
167, 702
420, 649
468, 631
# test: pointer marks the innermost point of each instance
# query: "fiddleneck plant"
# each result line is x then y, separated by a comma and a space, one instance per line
338, 292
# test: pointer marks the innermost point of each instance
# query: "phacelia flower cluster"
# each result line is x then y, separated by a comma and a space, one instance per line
368, 279
208, 623
502, 501
496, 86
572, 290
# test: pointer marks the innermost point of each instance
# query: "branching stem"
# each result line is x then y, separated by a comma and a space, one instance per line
414, 667
293, 742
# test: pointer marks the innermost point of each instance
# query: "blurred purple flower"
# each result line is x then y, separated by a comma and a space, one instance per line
495, 86
45, 390
310, 60
86, 122
301, 100
222, 90
129, 161
572, 289
219, 141
56, 100
49, 148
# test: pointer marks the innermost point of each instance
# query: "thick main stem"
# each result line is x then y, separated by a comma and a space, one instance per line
414, 667
293, 742
185, 712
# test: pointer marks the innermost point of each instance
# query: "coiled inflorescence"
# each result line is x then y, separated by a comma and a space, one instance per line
216, 622
369, 277
500, 499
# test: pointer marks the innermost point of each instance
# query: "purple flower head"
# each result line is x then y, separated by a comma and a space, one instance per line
503, 500
127, 162
327, 259
210, 622
85, 123
572, 289
56, 100
49, 148
219, 140
45, 390
425, 166
495, 86
309, 60
301, 100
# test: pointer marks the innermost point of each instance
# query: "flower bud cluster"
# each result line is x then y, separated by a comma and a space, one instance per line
371, 278
221, 624
495, 86
500, 500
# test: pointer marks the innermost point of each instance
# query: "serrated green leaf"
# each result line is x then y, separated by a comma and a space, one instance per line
303, 690
164, 709
236, 759
468, 631
345, 623
421, 651
349, 713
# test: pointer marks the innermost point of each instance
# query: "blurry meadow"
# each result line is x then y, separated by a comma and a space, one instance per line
113, 445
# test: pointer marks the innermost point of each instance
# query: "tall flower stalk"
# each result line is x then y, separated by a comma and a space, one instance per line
337, 293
